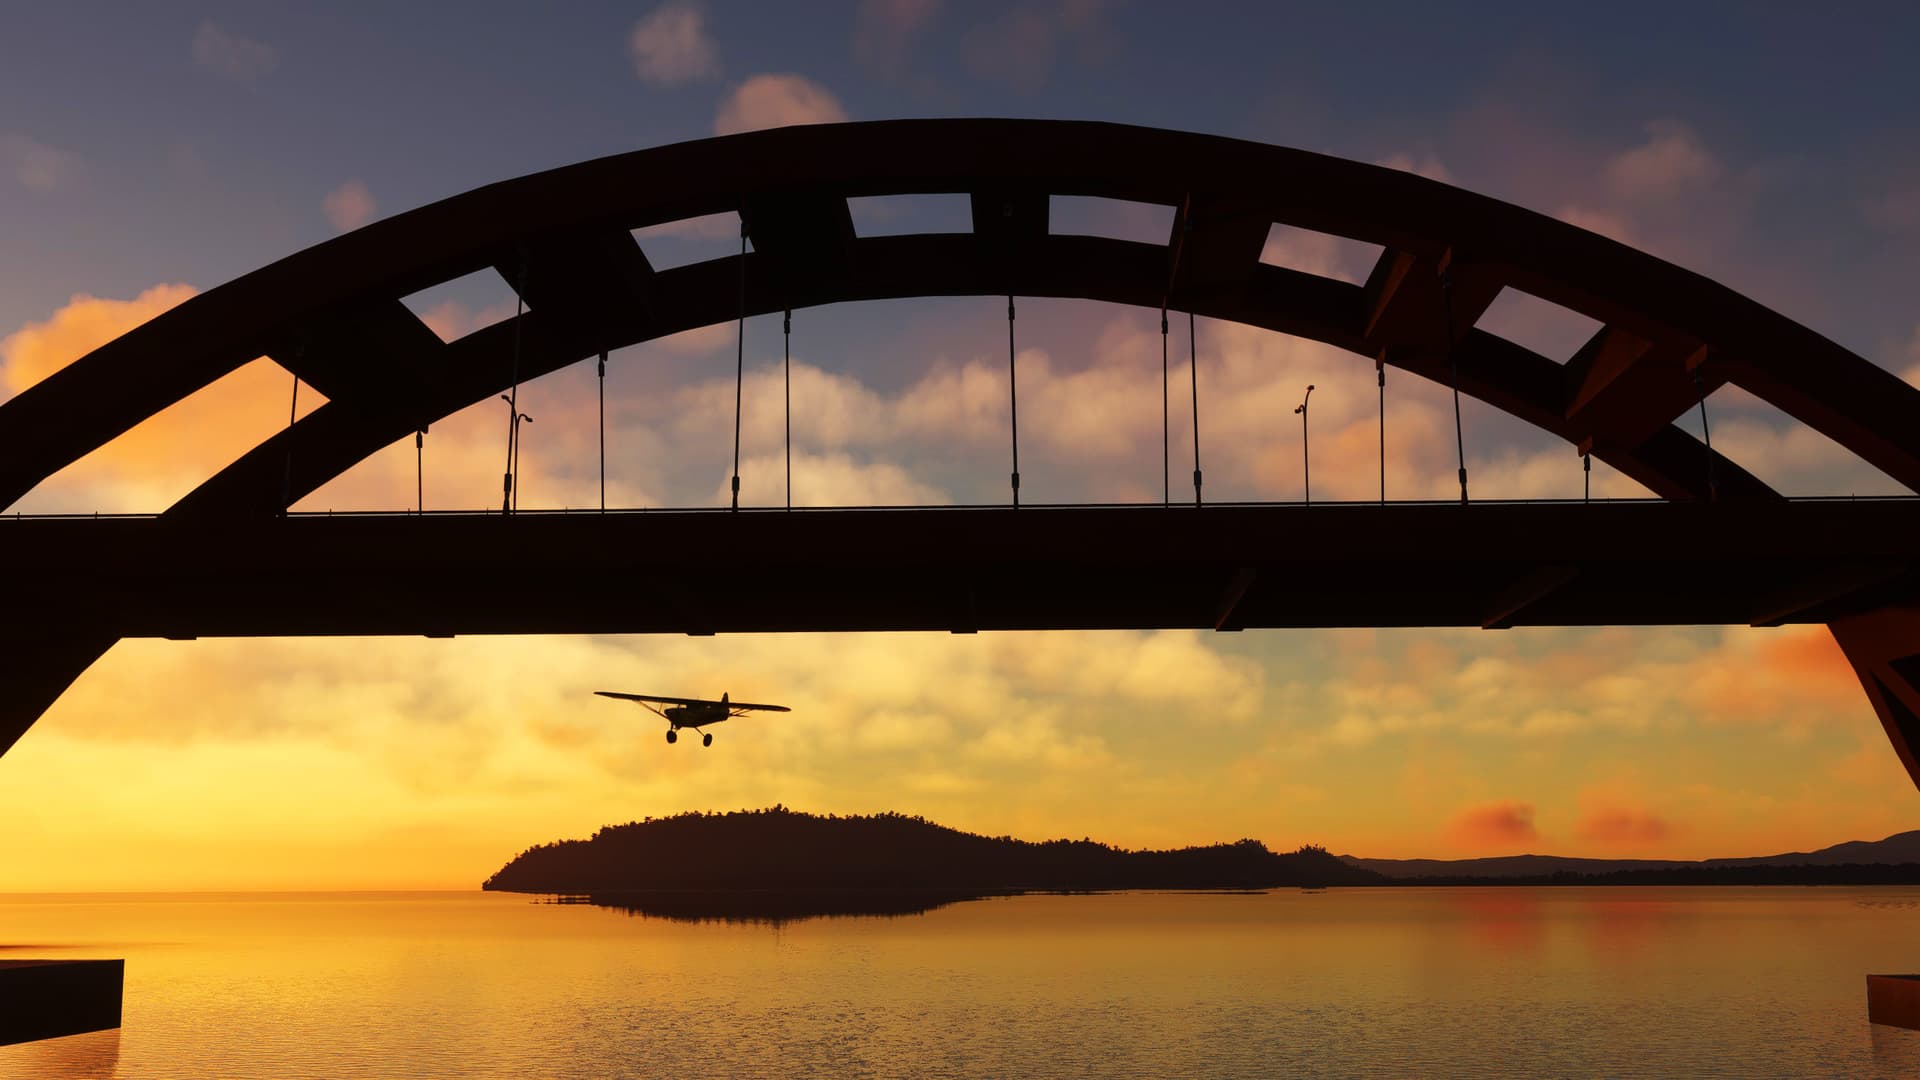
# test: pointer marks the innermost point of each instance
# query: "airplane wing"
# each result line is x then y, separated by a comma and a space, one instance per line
655, 699
747, 706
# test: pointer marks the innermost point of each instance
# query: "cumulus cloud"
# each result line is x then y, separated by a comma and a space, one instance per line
147, 468
1791, 677
1622, 828
1665, 191
349, 206
886, 29
1016, 49
769, 101
36, 165
1498, 826
1425, 164
1092, 427
453, 319
1610, 225
82, 325
1019, 48
671, 45
1897, 209
226, 53
1671, 161
1552, 686
832, 479
704, 227
1907, 363
1319, 253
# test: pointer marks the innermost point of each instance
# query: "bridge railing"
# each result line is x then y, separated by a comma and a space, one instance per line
1330, 505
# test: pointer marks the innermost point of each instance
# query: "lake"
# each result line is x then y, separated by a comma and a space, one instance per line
1653, 982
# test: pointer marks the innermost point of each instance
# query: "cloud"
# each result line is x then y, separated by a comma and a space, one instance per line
454, 319
1792, 678
1610, 225
828, 480
704, 227
770, 101
1015, 50
232, 55
671, 46
885, 31
1494, 826
494, 743
698, 342
1671, 162
349, 206
147, 468
85, 323
1623, 828
35, 165
1897, 209
1035, 740
1319, 253
1665, 191
1092, 430
1544, 689
1426, 164
1020, 48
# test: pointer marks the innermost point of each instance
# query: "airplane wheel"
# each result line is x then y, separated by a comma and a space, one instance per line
706, 740
673, 736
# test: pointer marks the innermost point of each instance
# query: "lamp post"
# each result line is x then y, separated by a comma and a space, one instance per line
1306, 464
512, 500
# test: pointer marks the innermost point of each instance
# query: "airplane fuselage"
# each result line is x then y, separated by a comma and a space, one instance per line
695, 716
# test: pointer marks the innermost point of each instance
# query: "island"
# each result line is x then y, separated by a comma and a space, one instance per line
776, 864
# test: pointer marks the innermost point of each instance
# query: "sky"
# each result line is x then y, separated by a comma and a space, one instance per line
149, 152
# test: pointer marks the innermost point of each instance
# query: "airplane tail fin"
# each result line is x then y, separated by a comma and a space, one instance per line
723, 697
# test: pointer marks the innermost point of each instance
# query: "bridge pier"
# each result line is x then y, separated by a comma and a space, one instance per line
1884, 648
37, 671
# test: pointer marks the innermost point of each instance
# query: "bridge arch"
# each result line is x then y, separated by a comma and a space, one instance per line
332, 313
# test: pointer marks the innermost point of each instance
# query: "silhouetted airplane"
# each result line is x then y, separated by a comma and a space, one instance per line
695, 713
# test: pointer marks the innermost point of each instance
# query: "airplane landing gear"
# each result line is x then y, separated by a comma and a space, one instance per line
673, 736
706, 738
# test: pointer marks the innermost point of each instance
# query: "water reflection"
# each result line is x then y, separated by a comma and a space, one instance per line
1502, 920
1524, 982
777, 907
1896, 1051
93, 1056
1626, 926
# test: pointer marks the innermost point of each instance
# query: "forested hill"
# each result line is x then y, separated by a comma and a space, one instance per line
785, 849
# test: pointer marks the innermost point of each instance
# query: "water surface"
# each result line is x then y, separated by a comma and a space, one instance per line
1346, 982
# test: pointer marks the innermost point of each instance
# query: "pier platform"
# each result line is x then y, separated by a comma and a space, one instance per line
45, 999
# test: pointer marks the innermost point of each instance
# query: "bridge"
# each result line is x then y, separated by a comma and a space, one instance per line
1721, 548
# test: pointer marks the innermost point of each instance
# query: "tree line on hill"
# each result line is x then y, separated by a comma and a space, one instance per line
779, 848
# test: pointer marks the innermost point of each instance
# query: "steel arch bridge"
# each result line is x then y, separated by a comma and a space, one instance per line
1724, 548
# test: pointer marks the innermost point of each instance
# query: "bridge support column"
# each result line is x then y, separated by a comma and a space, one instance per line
35, 672
1884, 648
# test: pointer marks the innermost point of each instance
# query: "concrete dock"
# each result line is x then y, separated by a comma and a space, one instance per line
45, 999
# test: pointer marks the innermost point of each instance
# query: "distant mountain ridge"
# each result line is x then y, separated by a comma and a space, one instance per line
1898, 849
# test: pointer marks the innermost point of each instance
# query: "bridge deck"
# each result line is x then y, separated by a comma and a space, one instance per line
948, 569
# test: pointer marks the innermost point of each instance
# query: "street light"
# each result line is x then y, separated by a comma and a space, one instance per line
1306, 465
510, 495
